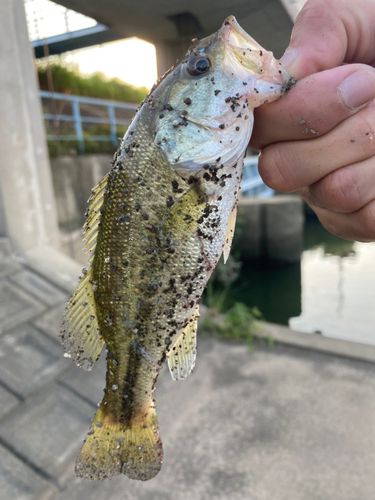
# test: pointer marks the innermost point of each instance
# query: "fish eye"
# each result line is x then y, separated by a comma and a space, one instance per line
199, 65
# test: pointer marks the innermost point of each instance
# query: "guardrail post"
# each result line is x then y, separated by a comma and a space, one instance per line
78, 125
112, 125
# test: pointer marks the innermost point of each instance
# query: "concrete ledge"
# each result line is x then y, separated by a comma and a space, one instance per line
284, 335
54, 266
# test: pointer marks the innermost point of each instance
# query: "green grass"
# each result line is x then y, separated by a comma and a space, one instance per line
68, 81
58, 148
71, 82
239, 323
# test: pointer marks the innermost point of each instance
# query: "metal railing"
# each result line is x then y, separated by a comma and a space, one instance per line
251, 185
77, 118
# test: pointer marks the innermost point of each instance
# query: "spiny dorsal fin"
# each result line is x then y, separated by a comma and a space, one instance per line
91, 226
80, 334
181, 356
230, 233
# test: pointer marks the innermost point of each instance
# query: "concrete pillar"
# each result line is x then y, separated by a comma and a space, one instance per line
3, 224
270, 228
25, 177
248, 235
168, 52
284, 220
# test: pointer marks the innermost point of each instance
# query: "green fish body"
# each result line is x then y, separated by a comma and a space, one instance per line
157, 225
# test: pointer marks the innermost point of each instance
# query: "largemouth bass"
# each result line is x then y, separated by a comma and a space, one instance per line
157, 225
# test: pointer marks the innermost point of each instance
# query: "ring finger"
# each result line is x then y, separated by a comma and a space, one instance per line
357, 226
346, 189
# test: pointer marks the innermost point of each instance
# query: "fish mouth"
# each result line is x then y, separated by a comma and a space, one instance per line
252, 56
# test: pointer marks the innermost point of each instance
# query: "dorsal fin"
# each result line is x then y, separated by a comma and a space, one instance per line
80, 334
230, 233
181, 356
91, 226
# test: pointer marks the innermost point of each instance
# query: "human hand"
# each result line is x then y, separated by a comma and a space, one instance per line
319, 139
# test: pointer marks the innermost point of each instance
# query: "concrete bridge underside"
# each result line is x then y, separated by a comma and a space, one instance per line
172, 25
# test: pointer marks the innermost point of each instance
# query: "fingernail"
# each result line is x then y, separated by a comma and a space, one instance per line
359, 88
288, 58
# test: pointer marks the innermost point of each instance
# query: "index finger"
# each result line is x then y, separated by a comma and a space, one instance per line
315, 105
328, 33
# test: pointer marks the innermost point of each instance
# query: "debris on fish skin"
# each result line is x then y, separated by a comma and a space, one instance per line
156, 226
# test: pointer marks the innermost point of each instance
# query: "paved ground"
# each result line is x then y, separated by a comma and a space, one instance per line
280, 422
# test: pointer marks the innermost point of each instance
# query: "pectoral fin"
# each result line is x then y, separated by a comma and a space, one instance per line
181, 356
229, 234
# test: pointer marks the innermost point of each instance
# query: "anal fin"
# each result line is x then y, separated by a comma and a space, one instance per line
181, 356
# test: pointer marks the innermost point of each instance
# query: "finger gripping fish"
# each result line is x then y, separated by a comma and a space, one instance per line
157, 225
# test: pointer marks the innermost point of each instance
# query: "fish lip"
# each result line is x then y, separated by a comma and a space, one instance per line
250, 54
281, 82
232, 23
289, 83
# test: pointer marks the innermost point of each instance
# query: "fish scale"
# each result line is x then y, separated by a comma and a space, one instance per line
157, 225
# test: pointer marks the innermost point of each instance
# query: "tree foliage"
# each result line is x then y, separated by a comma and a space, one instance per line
68, 81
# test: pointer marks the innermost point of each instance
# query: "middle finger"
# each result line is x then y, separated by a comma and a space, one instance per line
291, 165
315, 105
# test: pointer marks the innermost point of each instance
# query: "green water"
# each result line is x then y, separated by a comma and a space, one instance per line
331, 291
276, 291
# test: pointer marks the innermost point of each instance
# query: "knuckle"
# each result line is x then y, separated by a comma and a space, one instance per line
330, 224
275, 169
357, 226
340, 190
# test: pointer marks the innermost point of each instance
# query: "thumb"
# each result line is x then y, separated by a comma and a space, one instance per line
327, 34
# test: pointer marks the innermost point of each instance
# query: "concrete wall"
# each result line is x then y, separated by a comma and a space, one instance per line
73, 179
271, 228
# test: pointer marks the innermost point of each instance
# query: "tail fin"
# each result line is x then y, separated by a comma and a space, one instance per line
111, 449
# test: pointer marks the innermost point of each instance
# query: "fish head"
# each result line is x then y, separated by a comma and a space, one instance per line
205, 104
